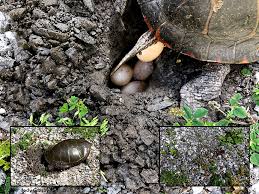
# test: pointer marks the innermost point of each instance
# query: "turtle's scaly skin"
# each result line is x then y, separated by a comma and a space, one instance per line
205, 87
222, 31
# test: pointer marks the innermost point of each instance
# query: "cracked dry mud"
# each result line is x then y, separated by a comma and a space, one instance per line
64, 49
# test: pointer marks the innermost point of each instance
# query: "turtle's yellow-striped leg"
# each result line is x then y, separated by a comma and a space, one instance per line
215, 5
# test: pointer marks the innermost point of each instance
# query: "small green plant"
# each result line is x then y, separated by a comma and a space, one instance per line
5, 155
102, 190
246, 72
235, 115
224, 179
169, 147
85, 132
216, 180
236, 111
104, 127
173, 152
74, 113
171, 178
234, 136
25, 142
254, 132
193, 118
255, 95
254, 144
79, 110
213, 168
5, 165
163, 152
5, 189
170, 150
232, 116
44, 120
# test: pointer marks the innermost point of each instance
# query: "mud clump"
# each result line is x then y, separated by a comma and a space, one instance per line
36, 162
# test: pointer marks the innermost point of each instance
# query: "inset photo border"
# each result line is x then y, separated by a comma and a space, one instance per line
54, 156
204, 156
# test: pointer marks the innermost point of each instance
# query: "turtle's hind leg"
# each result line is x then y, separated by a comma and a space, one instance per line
199, 91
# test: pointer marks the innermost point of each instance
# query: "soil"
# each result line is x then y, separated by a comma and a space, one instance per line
64, 49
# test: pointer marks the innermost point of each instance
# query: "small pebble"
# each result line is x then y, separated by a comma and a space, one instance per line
89, 4
87, 190
257, 77
197, 190
151, 53
100, 65
2, 111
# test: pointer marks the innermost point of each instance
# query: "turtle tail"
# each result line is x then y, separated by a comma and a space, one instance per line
143, 42
151, 11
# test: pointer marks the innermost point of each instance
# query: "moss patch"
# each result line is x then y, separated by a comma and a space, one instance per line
25, 142
234, 136
172, 178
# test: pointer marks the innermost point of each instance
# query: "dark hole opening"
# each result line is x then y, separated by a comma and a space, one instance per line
43, 161
125, 31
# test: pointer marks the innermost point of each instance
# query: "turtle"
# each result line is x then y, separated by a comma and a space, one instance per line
67, 153
220, 32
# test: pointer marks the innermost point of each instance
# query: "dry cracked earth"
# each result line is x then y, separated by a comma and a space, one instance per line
53, 49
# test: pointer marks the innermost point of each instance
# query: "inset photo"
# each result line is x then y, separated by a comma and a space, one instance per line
204, 156
54, 156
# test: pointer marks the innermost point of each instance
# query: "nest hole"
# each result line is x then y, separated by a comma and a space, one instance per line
126, 30
36, 161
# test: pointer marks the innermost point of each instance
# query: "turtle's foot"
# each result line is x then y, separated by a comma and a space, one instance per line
199, 91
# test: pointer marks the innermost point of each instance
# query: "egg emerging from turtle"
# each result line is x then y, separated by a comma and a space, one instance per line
122, 76
151, 53
142, 70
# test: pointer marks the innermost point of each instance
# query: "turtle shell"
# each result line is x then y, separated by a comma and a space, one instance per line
67, 153
223, 31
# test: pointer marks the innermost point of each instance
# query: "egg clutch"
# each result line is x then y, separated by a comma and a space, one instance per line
132, 79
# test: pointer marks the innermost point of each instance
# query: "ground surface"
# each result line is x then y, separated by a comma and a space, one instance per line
27, 168
64, 49
210, 156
